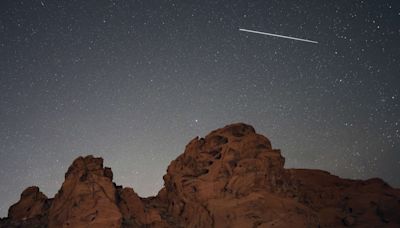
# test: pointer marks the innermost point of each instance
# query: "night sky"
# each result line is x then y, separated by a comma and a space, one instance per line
134, 81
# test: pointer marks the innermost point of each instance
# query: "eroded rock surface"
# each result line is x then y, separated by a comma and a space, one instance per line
30, 211
87, 197
135, 213
230, 178
31, 205
233, 178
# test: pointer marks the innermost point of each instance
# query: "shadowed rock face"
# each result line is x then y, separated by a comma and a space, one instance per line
230, 178
87, 196
222, 179
32, 203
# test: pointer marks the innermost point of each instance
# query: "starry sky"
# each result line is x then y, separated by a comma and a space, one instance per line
134, 81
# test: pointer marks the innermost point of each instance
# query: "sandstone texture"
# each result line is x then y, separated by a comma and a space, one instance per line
87, 197
230, 178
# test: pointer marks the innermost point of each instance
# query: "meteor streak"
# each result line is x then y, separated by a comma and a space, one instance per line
276, 35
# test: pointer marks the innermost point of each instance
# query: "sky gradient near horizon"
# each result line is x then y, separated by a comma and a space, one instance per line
134, 81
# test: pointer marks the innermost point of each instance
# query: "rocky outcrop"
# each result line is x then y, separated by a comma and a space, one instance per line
87, 197
230, 178
33, 203
341, 202
30, 211
233, 178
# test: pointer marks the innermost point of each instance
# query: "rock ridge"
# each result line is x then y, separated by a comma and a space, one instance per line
230, 178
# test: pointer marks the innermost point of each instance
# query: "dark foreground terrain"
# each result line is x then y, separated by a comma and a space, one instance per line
230, 178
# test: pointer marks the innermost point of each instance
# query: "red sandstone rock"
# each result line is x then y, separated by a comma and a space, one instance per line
227, 179
230, 178
134, 212
31, 205
233, 178
87, 197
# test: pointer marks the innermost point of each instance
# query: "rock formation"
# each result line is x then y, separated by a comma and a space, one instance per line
30, 211
87, 196
230, 178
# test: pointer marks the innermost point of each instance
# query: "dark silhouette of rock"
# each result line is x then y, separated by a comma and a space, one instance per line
230, 178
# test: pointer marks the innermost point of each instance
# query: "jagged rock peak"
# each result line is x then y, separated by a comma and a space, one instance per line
87, 196
236, 130
31, 204
229, 163
89, 164
230, 178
